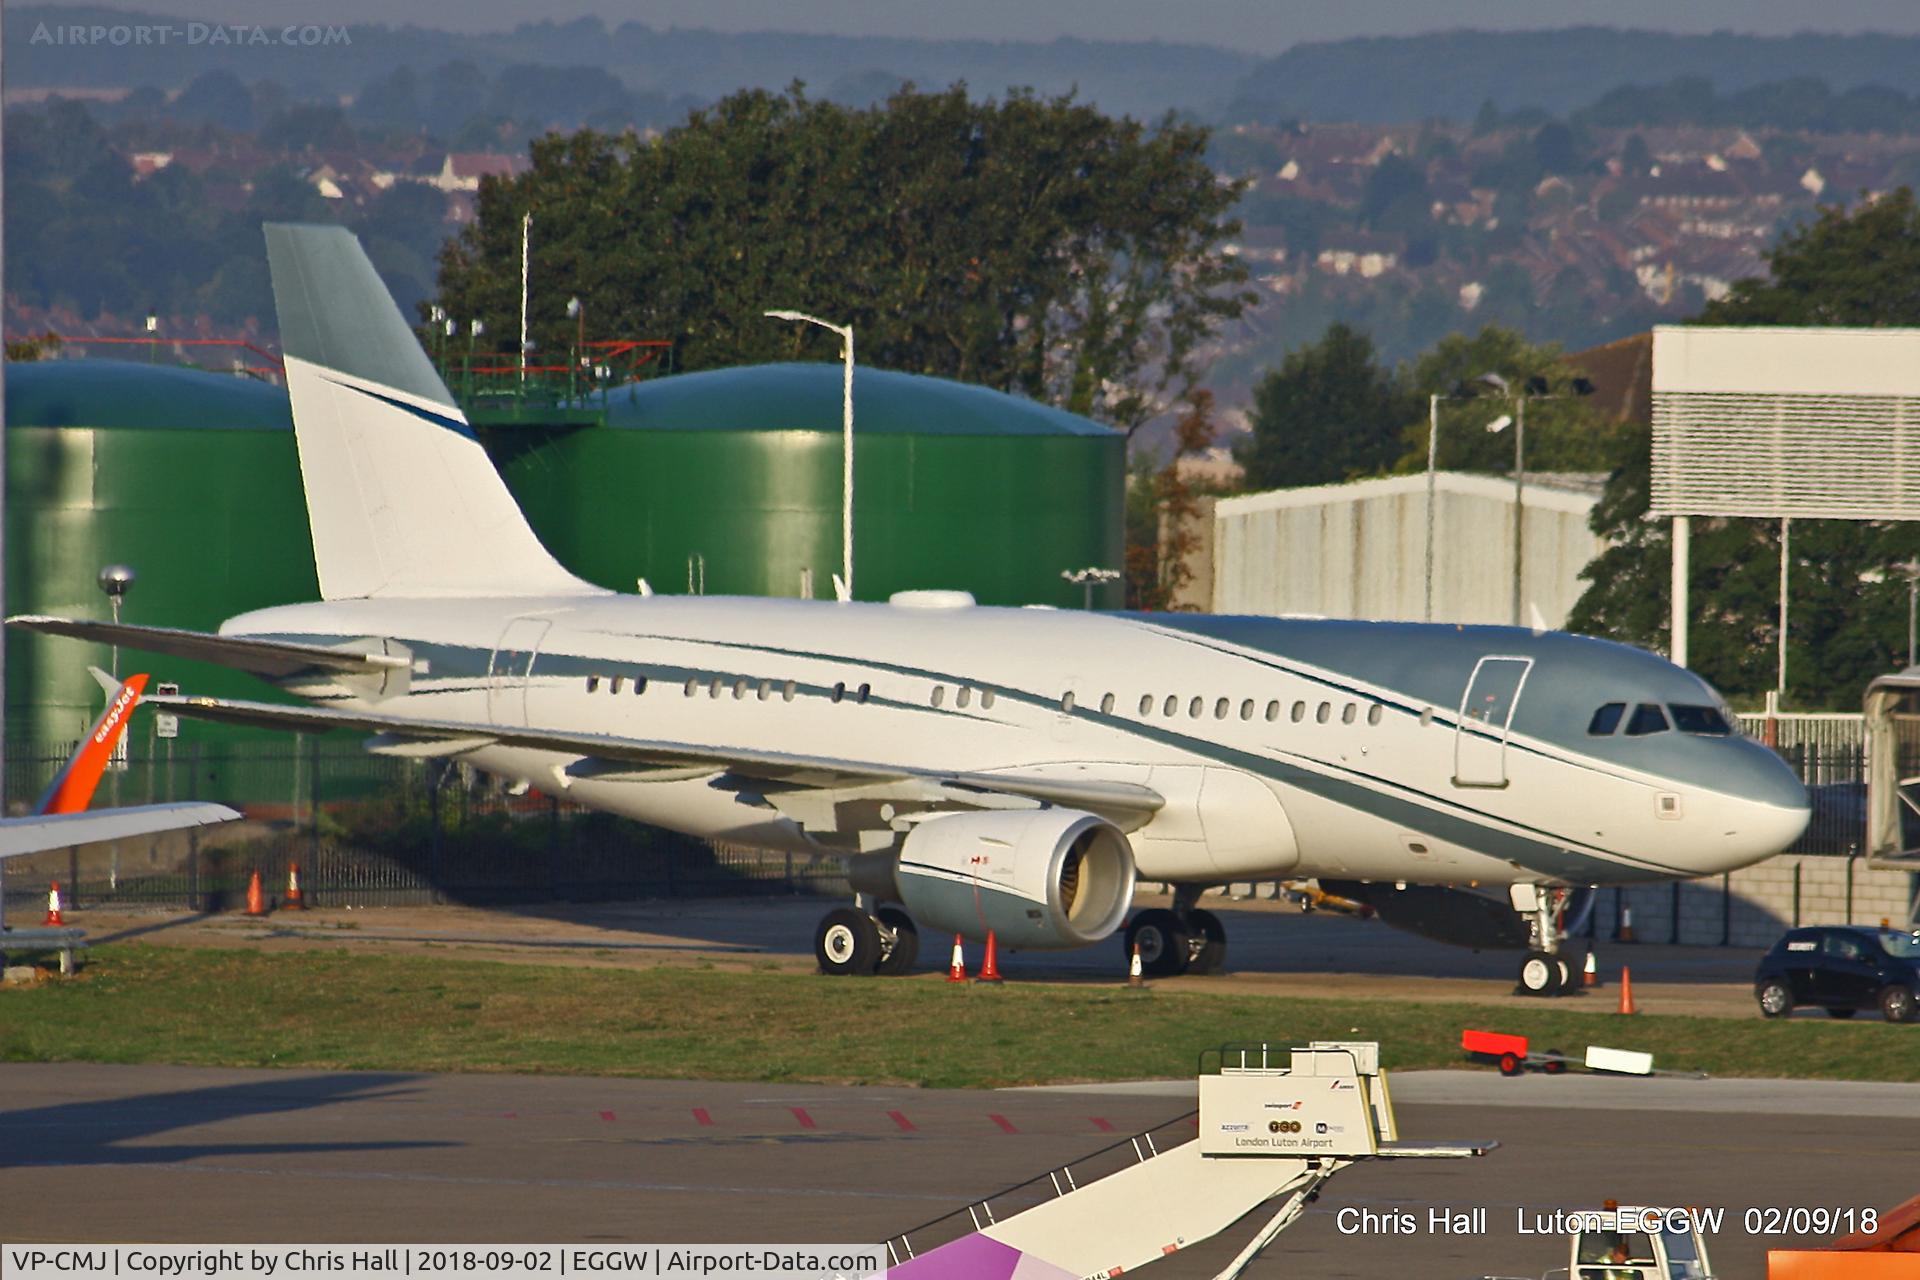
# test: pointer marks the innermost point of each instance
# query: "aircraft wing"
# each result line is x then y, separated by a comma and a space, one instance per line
41, 832
270, 658
604, 755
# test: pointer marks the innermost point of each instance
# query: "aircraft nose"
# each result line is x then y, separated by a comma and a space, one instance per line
1772, 808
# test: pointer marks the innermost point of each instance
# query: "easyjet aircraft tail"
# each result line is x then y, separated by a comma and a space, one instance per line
71, 790
402, 499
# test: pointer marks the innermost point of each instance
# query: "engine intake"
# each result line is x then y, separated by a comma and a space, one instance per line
1041, 879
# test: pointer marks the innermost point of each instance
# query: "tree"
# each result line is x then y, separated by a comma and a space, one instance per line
1030, 244
1163, 512
1564, 432
1328, 413
1858, 266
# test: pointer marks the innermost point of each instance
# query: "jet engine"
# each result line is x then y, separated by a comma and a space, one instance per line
1041, 879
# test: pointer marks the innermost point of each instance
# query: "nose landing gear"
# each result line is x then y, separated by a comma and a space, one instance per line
1544, 971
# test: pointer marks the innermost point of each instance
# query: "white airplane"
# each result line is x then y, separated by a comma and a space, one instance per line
979, 768
61, 820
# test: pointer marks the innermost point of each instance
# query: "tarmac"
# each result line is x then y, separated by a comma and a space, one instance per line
1273, 949
100, 1153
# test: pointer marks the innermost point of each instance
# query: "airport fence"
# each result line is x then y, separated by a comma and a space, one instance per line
371, 831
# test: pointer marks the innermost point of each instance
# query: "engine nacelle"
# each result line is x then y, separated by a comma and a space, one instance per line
1041, 879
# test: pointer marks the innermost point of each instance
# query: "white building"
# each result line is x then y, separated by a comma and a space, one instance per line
1359, 550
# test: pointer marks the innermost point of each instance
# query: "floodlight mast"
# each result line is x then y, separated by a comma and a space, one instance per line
846, 430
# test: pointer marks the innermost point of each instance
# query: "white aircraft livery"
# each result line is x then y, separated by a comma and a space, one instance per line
1014, 770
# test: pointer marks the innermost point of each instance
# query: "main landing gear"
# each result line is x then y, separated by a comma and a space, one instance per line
850, 941
1187, 939
1544, 971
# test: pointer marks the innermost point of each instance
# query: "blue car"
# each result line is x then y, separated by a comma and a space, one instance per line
1843, 969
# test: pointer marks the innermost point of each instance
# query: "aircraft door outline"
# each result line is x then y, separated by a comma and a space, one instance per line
510, 668
1486, 719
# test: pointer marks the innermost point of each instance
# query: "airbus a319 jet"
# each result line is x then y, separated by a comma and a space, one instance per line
978, 768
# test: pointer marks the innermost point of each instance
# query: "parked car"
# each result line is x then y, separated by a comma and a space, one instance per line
1843, 969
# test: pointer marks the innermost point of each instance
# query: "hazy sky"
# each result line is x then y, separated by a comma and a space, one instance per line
1260, 26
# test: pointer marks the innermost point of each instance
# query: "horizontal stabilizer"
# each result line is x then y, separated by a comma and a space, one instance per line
614, 755
270, 658
59, 831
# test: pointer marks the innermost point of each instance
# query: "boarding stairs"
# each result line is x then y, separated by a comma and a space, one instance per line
1273, 1126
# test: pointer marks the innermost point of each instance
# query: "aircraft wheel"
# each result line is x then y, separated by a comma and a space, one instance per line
847, 942
1207, 940
1568, 978
1539, 974
905, 942
1163, 943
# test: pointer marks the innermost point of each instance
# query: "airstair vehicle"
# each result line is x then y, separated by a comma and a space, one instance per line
1273, 1125
1892, 716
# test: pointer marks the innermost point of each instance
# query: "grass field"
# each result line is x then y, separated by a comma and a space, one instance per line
315, 1009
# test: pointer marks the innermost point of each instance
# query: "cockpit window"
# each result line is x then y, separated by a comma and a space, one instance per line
1647, 718
1606, 720
1707, 720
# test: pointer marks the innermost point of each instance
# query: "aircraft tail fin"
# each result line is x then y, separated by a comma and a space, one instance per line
72, 788
402, 499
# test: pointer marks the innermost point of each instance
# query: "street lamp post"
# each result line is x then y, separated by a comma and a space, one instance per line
1087, 579
1462, 392
846, 446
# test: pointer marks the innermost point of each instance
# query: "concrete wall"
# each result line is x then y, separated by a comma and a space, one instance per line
1359, 550
1754, 906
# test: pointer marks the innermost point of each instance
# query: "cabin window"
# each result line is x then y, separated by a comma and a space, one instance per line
1106, 705
963, 697
1648, 718
1348, 712
593, 683
786, 692
1299, 712
740, 688
1146, 704
1606, 720
866, 691
1695, 719
713, 687
840, 691
691, 686
939, 695
1194, 708
1426, 716
639, 685
1246, 709
766, 690
1273, 711
1171, 707
1374, 713
1066, 701
986, 698
615, 684
1324, 713
1220, 709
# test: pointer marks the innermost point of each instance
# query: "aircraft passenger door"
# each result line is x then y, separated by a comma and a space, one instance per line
510, 669
1486, 715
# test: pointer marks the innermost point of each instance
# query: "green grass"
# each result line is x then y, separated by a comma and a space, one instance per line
319, 1009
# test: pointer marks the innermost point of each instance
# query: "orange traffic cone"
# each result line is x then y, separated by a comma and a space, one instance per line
1133, 969
53, 905
256, 901
957, 969
294, 901
990, 967
1626, 990
1590, 975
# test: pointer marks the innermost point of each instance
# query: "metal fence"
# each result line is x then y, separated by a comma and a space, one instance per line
370, 831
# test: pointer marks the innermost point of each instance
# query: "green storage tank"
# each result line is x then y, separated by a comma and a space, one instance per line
190, 478
728, 481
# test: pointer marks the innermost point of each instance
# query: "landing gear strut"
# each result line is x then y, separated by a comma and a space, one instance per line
1187, 939
1544, 971
850, 942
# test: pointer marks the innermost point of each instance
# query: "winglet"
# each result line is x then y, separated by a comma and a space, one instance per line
72, 788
